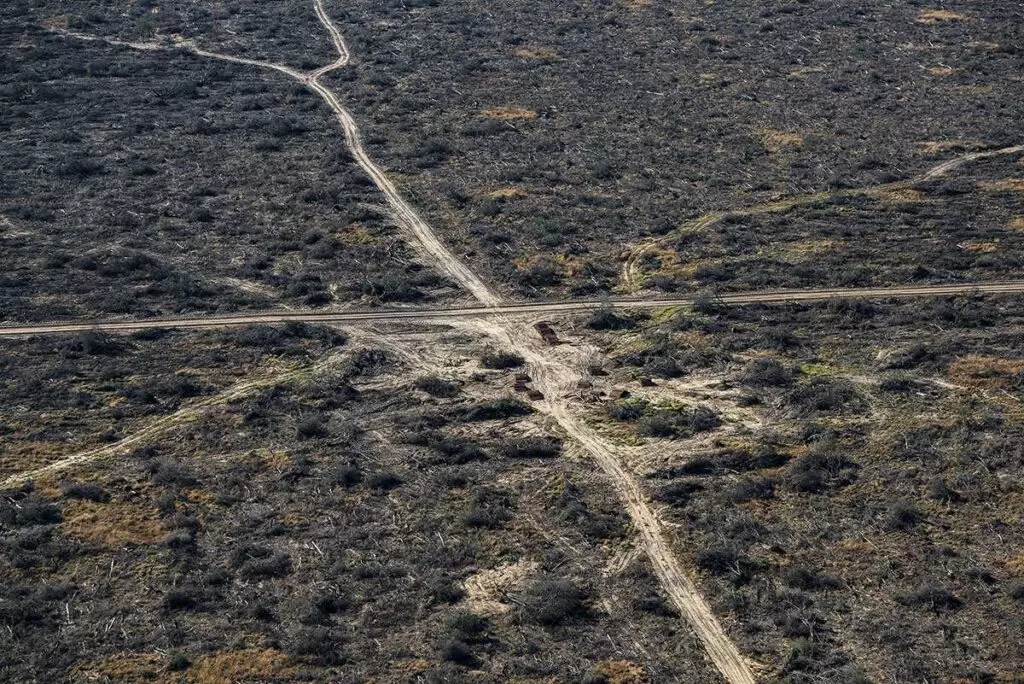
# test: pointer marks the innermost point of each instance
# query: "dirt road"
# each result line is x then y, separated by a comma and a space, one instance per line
446, 315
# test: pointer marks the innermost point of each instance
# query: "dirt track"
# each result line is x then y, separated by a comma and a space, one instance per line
447, 315
630, 277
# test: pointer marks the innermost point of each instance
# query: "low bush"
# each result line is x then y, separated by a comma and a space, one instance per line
83, 490
553, 601
607, 319
438, 387
501, 360
530, 447
495, 410
767, 372
752, 488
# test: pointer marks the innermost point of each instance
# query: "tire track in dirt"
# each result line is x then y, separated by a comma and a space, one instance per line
447, 315
150, 431
629, 279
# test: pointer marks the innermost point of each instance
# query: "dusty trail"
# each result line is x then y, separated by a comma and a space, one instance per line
556, 379
451, 315
154, 429
422, 236
630, 278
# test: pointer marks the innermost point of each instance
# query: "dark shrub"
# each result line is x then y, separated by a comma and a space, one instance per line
726, 561
809, 580
940, 491
489, 517
311, 427
901, 516
656, 605
182, 598
495, 410
933, 597
469, 626
276, 565
815, 471
501, 360
553, 601
606, 319
750, 489
347, 475
663, 367
628, 410
383, 482
456, 450
84, 490
767, 373
318, 644
825, 394
530, 447
456, 651
438, 387
678, 493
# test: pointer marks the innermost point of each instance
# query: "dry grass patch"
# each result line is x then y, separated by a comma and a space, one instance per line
1003, 185
775, 140
935, 16
506, 193
979, 246
127, 668
621, 672
537, 53
112, 524
939, 146
899, 196
509, 114
247, 665
989, 372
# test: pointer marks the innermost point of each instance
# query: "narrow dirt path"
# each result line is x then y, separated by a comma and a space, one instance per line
152, 430
556, 379
631, 275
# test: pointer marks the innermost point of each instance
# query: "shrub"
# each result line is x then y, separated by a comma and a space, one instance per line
750, 489
83, 490
317, 644
274, 565
767, 372
726, 561
815, 471
456, 651
553, 601
678, 493
656, 605
825, 394
496, 409
489, 517
469, 626
901, 516
311, 427
607, 319
383, 482
182, 598
940, 491
530, 447
347, 475
438, 387
809, 580
933, 597
501, 360
628, 410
